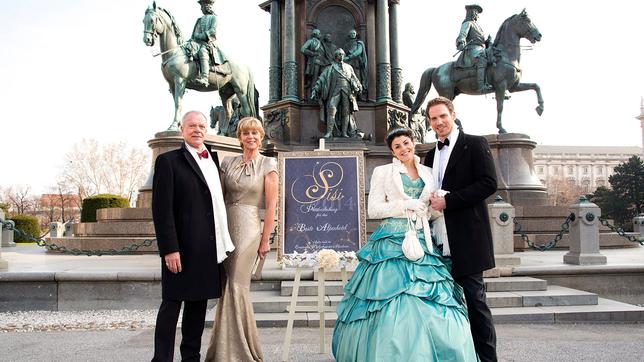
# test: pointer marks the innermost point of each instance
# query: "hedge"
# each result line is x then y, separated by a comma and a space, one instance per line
101, 201
27, 223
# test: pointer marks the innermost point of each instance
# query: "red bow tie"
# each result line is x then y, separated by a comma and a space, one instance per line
202, 154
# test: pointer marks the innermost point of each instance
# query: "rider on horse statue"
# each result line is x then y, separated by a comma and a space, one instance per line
205, 37
472, 42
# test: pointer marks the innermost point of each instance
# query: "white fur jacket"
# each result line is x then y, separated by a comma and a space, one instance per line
387, 195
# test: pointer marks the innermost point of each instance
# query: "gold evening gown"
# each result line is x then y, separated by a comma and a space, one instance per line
234, 336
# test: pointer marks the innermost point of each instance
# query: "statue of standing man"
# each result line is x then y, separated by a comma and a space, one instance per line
337, 87
357, 57
471, 40
313, 51
205, 37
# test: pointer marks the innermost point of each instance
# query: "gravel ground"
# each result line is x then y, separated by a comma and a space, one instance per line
43, 321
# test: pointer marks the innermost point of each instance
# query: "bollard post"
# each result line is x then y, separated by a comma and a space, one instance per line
638, 224
502, 225
69, 227
7, 234
4, 265
56, 230
584, 235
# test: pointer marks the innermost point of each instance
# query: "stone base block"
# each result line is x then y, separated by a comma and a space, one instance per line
4, 265
584, 259
28, 295
108, 295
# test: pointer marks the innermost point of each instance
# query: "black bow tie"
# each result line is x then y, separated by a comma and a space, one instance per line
443, 144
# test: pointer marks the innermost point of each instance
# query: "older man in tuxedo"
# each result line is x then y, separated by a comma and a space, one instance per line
462, 166
192, 235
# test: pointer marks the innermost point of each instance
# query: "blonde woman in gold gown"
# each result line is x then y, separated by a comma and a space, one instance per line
250, 181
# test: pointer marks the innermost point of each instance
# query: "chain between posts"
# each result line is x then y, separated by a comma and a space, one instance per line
565, 227
40, 242
621, 232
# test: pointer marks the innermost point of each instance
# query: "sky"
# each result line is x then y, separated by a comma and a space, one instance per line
74, 69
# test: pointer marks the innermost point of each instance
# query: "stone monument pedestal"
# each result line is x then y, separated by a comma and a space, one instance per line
518, 183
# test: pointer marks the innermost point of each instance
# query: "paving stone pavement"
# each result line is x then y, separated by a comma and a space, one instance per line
516, 343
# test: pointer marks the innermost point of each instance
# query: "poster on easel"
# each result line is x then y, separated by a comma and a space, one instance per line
321, 221
321, 204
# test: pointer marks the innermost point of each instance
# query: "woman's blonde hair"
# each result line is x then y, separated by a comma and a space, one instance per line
249, 124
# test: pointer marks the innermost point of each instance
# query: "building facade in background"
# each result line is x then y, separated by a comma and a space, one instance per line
582, 168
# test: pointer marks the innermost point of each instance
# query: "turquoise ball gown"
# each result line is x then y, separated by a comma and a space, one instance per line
398, 310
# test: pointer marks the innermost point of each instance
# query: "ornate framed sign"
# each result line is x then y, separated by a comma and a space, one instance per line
321, 203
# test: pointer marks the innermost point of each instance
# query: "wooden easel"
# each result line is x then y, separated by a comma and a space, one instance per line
320, 308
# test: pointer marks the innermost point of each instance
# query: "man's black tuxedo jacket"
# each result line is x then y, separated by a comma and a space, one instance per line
183, 221
470, 177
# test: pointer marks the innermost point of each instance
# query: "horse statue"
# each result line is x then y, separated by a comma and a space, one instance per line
504, 74
180, 71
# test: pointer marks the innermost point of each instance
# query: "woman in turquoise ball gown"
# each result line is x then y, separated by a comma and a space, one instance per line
396, 308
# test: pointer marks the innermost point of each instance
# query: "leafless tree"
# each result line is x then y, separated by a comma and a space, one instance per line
20, 199
116, 168
62, 204
563, 192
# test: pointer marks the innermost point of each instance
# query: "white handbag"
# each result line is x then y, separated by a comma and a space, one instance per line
411, 245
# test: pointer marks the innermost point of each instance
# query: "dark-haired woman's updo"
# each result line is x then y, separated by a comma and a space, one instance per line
397, 132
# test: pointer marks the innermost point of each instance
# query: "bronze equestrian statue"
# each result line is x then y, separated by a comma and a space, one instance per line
503, 71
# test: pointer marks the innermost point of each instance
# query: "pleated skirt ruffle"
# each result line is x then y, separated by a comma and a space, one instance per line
398, 310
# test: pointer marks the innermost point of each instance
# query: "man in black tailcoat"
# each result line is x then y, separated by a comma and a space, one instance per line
462, 165
186, 206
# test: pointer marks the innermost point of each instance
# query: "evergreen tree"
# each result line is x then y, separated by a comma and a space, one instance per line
628, 184
625, 198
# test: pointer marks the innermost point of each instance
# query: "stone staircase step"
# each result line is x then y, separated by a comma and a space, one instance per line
273, 285
557, 296
502, 284
508, 284
553, 296
280, 320
310, 287
604, 311
273, 302
114, 228
503, 300
265, 320
131, 214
